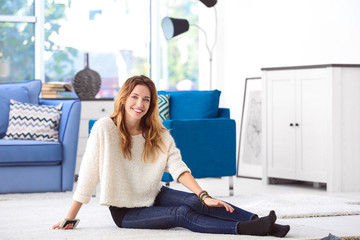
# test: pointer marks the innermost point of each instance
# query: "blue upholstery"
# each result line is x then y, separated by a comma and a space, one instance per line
41, 166
208, 144
23, 179
33, 87
203, 132
40, 152
19, 94
91, 124
193, 104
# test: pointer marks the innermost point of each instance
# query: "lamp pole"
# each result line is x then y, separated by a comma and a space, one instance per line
209, 49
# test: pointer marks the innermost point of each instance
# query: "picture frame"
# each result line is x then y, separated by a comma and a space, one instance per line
249, 162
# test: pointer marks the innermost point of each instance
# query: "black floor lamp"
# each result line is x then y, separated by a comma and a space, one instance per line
173, 27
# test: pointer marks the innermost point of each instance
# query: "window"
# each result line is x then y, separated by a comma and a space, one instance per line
17, 40
115, 33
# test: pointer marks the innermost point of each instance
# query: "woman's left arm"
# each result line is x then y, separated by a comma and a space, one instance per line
189, 181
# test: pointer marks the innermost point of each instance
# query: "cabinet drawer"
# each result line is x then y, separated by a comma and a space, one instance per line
96, 109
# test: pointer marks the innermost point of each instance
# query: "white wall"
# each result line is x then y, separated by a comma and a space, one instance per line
254, 34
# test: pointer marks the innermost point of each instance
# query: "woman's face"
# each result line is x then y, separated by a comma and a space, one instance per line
138, 102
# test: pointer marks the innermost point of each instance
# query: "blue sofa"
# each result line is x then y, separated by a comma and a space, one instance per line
203, 132
32, 165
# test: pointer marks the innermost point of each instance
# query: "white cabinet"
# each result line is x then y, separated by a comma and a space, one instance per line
307, 116
91, 109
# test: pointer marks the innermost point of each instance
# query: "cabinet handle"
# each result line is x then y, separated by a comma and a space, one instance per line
291, 124
296, 124
103, 109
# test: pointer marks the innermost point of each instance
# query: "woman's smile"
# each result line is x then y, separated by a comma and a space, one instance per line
138, 102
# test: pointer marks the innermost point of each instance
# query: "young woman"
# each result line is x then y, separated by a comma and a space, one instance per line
129, 151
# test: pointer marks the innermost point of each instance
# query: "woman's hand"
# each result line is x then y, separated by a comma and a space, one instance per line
211, 202
75, 207
68, 226
189, 181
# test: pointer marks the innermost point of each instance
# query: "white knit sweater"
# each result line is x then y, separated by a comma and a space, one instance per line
123, 182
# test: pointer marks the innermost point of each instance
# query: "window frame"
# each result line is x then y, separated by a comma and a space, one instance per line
38, 20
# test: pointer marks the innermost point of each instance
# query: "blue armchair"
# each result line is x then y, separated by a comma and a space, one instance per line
204, 133
32, 165
207, 145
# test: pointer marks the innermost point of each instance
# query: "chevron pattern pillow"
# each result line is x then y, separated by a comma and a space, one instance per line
163, 103
33, 122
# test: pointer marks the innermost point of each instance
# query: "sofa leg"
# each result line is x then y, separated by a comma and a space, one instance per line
231, 186
94, 192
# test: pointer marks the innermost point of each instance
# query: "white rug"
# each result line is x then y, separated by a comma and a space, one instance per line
30, 216
297, 205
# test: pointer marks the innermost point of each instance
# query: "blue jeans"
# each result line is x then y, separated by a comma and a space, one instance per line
174, 208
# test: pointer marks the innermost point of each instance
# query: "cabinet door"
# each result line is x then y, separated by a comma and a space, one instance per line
312, 116
280, 152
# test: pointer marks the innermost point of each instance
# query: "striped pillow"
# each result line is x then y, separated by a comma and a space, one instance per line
163, 103
33, 122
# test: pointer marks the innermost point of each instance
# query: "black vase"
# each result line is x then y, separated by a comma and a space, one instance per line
87, 82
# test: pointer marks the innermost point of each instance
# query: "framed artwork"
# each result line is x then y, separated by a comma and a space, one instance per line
249, 163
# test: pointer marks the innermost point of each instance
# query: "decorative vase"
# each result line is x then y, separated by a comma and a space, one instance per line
86, 82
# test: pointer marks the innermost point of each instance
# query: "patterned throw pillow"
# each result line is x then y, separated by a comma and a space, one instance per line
33, 122
163, 103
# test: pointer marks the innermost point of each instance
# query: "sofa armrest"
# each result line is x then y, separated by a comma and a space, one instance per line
207, 146
69, 107
68, 136
223, 113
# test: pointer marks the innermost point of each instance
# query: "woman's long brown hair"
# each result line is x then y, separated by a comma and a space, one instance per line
150, 123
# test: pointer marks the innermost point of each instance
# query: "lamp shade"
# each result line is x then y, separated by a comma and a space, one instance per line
209, 3
174, 26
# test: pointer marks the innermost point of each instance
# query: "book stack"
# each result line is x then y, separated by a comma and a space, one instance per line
55, 90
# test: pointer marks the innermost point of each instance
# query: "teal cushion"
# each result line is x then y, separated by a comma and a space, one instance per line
163, 104
19, 94
193, 104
